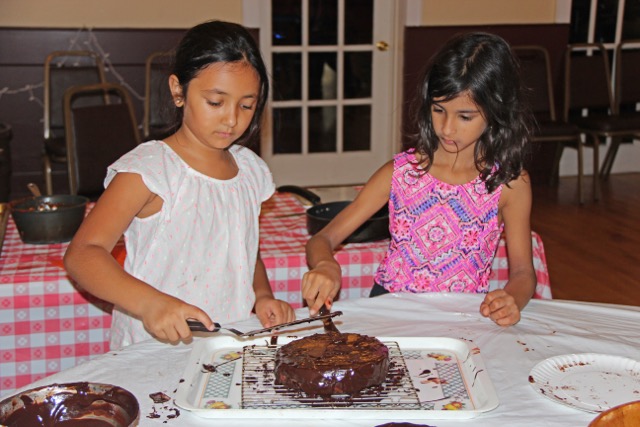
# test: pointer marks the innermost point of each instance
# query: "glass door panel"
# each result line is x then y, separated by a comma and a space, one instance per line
322, 59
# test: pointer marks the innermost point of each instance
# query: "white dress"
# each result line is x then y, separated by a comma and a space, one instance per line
202, 245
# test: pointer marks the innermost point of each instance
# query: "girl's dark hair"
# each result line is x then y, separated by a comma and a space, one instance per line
483, 65
219, 41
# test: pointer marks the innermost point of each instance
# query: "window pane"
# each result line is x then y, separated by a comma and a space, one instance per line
287, 130
323, 22
287, 72
357, 128
322, 129
358, 22
322, 75
606, 18
286, 22
357, 75
631, 22
579, 21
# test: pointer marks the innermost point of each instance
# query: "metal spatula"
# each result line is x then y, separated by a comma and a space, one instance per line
197, 326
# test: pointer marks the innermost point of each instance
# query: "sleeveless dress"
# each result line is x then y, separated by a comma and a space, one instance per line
202, 245
443, 236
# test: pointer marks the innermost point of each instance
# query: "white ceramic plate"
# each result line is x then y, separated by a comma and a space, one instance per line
590, 382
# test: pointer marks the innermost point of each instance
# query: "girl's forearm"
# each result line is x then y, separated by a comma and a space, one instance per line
261, 286
521, 287
318, 250
98, 272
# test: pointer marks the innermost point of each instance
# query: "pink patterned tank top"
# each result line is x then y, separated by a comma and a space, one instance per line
443, 236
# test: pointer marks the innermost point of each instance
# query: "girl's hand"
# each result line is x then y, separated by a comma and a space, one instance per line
165, 318
500, 307
271, 311
321, 285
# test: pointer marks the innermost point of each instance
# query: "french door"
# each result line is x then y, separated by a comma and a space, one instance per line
332, 105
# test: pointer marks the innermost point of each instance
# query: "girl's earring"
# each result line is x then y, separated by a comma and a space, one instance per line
179, 101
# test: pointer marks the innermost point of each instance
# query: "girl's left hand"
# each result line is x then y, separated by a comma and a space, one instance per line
271, 311
500, 307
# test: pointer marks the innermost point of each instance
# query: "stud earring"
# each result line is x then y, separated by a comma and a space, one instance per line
179, 101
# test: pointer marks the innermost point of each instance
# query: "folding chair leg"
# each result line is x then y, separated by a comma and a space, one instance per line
596, 168
580, 171
607, 164
48, 179
553, 176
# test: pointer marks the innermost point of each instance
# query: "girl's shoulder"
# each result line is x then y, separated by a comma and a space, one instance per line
147, 149
248, 159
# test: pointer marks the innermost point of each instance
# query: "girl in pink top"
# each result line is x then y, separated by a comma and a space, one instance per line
458, 185
188, 206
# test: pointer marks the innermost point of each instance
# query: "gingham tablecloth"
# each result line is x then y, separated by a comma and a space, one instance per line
48, 325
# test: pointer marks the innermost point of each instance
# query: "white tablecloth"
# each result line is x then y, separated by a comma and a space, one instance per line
548, 328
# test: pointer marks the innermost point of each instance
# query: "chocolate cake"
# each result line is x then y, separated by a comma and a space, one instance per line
332, 363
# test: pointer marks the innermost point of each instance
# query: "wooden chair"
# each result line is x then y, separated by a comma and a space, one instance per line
536, 75
589, 101
159, 110
63, 69
97, 135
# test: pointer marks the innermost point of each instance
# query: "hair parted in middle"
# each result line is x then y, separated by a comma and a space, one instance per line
483, 65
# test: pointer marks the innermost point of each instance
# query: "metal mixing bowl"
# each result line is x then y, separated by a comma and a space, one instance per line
48, 219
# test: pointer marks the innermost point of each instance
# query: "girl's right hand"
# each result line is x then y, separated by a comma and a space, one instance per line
165, 317
321, 285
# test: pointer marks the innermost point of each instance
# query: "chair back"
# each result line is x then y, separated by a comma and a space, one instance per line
159, 109
535, 70
63, 69
627, 82
587, 80
97, 135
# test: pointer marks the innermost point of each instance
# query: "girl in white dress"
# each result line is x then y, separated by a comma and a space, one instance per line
188, 206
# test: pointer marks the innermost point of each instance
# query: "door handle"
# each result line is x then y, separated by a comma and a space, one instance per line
382, 46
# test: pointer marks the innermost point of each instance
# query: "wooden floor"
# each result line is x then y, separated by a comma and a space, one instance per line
593, 250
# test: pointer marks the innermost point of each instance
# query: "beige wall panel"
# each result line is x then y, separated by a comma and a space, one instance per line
481, 12
116, 13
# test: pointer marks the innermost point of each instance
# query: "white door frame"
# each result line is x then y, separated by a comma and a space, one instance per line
253, 11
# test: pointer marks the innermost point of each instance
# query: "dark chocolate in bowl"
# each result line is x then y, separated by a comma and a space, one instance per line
71, 405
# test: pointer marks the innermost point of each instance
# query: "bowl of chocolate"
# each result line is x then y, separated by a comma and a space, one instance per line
81, 404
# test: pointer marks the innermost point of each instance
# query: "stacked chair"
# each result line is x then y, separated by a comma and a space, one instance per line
159, 109
589, 102
62, 70
536, 74
97, 135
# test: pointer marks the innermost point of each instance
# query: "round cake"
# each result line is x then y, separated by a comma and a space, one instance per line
332, 363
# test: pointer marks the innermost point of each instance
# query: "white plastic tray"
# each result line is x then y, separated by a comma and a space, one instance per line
446, 379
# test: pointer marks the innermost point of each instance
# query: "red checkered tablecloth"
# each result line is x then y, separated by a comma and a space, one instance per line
47, 324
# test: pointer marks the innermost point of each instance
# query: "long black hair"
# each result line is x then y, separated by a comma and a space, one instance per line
484, 65
219, 41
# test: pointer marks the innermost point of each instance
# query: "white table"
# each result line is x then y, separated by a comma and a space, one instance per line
548, 328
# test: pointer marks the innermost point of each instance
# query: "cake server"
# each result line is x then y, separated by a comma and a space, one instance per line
197, 326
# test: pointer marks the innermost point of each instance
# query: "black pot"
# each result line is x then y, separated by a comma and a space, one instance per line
320, 214
48, 219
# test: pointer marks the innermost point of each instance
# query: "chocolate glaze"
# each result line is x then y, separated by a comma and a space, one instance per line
71, 405
332, 363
